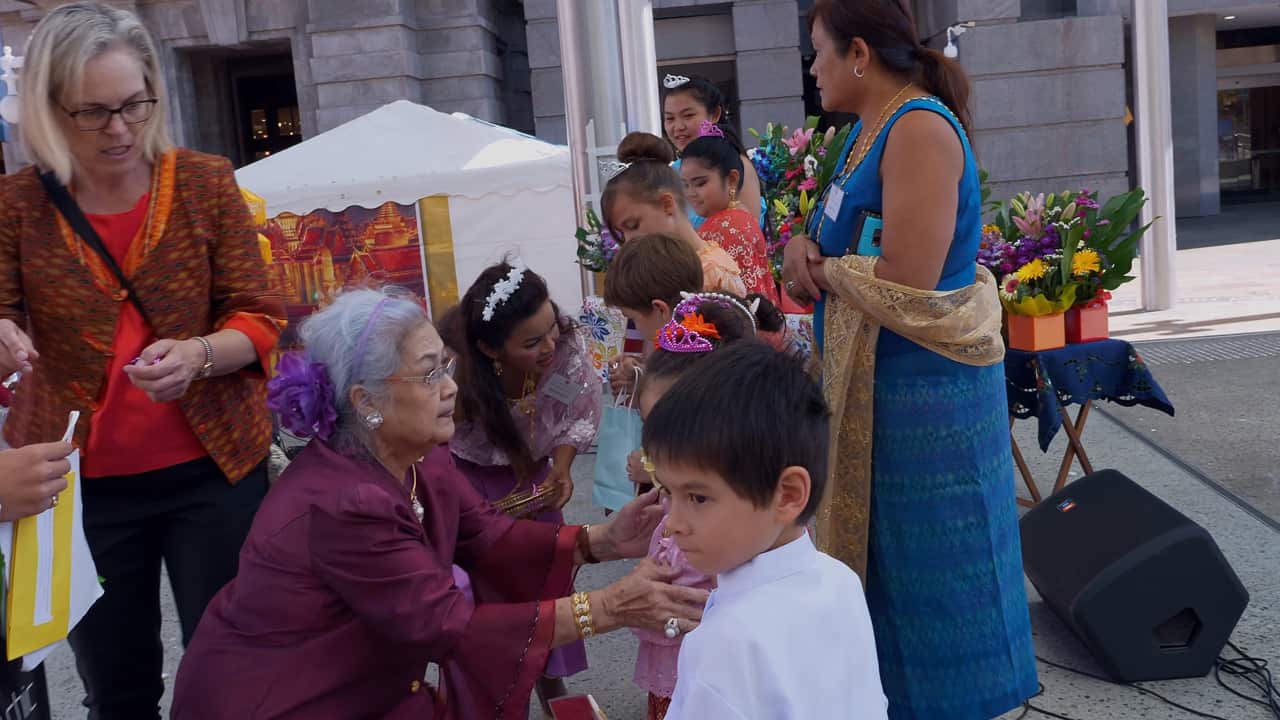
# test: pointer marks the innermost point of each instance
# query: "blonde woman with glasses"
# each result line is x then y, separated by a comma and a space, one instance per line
132, 290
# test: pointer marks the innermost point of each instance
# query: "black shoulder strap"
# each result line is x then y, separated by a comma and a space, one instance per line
80, 225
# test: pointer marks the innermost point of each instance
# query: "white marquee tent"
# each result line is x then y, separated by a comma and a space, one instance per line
506, 191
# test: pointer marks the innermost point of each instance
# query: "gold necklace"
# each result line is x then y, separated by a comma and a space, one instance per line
413, 495
889, 109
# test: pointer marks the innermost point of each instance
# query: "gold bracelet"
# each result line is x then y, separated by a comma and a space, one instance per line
582, 615
584, 546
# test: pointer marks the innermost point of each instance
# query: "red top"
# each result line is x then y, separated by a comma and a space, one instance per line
130, 434
738, 232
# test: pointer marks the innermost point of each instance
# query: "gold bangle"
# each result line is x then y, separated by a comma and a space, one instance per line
584, 546
582, 615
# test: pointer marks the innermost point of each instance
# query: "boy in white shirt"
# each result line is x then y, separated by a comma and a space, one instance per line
740, 444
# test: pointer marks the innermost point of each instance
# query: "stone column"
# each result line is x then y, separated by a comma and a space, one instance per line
1192, 67
461, 68
1154, 137
770, 86
364, 55
545, 74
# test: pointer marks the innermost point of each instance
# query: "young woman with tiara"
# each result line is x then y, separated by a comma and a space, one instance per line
712, 171
528, 403
647, 197
687, 103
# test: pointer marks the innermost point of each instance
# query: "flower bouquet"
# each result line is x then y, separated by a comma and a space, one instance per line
596, 245
795, 168
1034, 249
1084, 251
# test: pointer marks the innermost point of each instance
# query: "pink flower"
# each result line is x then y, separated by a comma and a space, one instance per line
809, 184
798, 141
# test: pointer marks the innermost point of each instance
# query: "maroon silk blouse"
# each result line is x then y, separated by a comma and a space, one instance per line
343, 599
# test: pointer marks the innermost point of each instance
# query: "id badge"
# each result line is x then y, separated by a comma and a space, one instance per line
868, 231
835, 198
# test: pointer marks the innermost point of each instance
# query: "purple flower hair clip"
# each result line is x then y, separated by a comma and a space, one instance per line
302, 395
709, 129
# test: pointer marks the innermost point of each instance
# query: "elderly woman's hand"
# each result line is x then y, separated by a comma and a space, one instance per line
629, 530
647, 599
166, 368
797, 280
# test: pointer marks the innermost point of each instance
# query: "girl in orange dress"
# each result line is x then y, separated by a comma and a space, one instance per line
647, 197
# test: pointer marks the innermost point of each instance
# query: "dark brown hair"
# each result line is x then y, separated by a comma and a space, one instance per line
889, 29
463, 328
649, 176
652, 267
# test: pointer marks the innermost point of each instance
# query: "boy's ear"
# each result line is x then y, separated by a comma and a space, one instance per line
791, 496
662, 308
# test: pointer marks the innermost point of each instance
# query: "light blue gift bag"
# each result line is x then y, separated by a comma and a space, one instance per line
619, 435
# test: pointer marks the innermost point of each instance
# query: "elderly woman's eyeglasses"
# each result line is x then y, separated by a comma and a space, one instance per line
98, 118
432, 378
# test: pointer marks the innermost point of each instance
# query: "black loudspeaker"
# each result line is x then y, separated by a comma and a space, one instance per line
1146, 589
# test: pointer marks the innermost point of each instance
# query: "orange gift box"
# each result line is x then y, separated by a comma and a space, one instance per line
1036, 333
1086, 324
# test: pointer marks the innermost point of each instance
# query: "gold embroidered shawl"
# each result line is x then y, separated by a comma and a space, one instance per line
962, 325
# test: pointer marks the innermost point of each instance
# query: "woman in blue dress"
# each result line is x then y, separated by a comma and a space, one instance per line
921, 501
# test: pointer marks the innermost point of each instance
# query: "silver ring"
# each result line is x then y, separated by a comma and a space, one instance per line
791, 284
53, 501
672, 629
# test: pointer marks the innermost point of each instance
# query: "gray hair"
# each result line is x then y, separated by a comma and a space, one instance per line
59, 48
332, 336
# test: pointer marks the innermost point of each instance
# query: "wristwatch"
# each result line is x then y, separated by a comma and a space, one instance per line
207, 369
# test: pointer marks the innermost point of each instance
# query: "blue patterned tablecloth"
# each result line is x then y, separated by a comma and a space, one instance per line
1102, 370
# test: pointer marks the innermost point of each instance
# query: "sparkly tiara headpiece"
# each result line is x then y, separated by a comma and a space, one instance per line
609, 169
709, 129
671, 82
691, 333
504, 289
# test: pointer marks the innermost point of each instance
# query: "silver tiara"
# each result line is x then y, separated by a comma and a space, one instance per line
671, 82
610, 168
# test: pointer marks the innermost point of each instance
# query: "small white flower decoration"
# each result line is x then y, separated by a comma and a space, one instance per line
503, 289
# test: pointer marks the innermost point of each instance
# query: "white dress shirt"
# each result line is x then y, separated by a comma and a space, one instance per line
786, 635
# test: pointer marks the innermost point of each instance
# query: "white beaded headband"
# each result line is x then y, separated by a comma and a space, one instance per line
503, 289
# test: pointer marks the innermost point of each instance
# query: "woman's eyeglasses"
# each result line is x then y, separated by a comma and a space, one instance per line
434, 377
98, 118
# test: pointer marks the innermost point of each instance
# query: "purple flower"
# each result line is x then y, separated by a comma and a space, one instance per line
303, 397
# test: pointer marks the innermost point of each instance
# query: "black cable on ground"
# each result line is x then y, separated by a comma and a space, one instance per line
1253, 670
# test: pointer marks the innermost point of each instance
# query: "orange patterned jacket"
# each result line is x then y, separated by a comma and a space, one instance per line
195, 267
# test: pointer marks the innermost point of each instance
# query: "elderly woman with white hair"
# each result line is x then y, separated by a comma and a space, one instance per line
132, 290
345, 592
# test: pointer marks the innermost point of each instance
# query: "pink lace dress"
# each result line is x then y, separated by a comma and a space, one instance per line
656, 658
567, 405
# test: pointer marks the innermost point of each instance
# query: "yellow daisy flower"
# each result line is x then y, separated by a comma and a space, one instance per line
1085, 262
1033, 270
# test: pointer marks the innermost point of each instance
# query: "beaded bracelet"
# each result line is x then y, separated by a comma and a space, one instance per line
582, 615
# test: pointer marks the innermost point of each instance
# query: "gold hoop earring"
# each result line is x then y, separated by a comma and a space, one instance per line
859, 72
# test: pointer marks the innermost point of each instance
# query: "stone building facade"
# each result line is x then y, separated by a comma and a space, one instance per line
1051, 78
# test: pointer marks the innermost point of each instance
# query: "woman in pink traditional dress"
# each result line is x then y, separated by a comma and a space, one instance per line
528, 402
712, 172
345, 593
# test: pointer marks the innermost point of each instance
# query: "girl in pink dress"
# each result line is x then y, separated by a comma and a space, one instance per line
700, 324
712, 172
